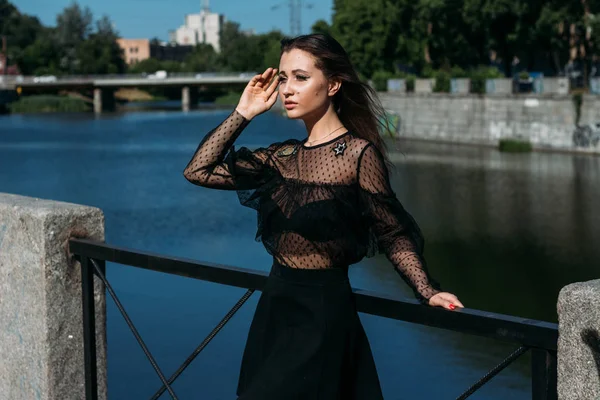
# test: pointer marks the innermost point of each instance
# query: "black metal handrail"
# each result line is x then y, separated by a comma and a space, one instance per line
539, 336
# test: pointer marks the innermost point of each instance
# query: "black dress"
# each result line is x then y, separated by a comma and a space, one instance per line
320, 209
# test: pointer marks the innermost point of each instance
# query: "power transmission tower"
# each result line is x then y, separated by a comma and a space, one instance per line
295, 14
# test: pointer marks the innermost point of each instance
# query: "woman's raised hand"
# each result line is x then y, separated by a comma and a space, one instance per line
259, 95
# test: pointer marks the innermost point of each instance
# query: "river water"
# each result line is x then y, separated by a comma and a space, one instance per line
503, 231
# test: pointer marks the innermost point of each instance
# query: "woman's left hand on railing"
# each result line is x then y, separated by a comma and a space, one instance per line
445, 300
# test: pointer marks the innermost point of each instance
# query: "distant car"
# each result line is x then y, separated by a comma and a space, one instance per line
206, 75
158, 75
44, 79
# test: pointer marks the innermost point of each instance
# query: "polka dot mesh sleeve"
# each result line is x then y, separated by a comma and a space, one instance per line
394, 231
216, 164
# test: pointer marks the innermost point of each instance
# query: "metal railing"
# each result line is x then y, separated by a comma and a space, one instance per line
537, 336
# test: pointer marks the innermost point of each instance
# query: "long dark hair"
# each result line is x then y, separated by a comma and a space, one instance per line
356, 103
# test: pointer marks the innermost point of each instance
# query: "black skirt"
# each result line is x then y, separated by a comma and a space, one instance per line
306, 341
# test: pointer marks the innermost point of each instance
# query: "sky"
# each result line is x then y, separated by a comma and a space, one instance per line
154, 18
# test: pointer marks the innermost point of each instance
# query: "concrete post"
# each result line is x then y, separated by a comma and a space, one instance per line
41, 343
104, 100
185, 98
579, 341
97, 100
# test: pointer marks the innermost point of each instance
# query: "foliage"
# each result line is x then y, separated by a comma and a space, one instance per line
230, 98
48, 103
380, 79
240, 52
442, 82
321, 26
368, 31
514, 146
203, 58
480, 74
429, 35
577, 103
74, 46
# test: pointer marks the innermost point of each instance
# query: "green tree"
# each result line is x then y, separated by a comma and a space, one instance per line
73, 27
20, 31
239, 52
203, 58
41, 57
100, 53
367, 29
321, 26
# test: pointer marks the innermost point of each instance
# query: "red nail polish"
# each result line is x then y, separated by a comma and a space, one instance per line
452, 306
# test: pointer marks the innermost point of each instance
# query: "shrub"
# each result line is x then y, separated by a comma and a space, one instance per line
480, 74
514, 146
48, 103
410, 82
442, 82
380, 79
231, 98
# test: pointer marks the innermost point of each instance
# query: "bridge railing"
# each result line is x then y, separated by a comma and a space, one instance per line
26, 79
539, 337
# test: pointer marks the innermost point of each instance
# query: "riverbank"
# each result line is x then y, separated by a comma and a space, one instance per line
48, 104
548, 123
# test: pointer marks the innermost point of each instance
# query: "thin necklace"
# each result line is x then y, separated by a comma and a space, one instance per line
312, 141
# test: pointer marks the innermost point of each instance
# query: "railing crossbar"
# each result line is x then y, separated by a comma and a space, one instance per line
112, 293
495, 371
205, 342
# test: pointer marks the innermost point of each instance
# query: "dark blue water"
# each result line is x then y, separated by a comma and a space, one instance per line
504, 232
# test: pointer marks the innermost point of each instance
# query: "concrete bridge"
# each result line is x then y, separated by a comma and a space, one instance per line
104, 86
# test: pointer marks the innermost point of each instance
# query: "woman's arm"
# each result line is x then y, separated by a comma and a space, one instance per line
208, 166
396, 232
215, 163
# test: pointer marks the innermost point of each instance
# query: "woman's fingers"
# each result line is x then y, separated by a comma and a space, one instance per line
265, 77
272, 99
273, 85
446, 300
254, 80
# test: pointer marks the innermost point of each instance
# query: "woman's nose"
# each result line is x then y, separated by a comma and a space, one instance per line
286, 88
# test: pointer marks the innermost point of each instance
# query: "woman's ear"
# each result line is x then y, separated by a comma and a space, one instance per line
334, 86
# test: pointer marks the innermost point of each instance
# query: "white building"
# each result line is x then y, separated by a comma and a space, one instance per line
200, 28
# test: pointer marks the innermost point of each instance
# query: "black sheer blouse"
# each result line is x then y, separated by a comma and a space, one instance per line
323, 206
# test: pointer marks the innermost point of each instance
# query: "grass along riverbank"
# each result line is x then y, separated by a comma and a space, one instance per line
49, 103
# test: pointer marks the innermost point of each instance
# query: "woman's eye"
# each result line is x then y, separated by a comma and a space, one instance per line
302, 77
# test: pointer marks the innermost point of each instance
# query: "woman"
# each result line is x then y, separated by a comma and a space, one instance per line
323, 203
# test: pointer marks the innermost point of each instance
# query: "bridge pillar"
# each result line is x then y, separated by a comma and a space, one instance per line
104, 100
578, 361
189, 97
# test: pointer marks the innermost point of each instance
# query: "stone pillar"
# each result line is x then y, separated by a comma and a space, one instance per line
97, 100
41, 343
189, 97
579, 341
104, 100
185, 98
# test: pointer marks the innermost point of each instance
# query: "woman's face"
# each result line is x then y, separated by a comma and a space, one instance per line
303, 85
